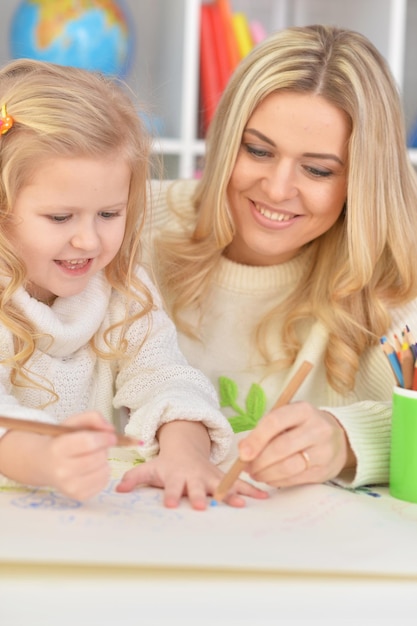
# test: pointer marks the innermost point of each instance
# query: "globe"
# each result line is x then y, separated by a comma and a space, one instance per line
91, 34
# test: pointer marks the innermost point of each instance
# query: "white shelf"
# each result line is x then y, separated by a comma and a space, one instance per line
385, 22
174, 146
165, 69
413, 156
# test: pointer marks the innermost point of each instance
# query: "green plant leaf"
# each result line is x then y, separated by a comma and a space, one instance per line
228, 391
255, 404
239, 423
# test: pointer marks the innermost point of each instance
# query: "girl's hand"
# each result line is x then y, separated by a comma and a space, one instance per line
296, 444
75, 464
182, 468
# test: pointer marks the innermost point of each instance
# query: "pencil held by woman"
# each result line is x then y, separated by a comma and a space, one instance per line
239, 465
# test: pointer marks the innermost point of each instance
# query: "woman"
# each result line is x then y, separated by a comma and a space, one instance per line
297, 244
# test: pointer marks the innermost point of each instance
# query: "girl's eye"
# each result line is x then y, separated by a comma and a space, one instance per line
256, 152
58, 219
108, 214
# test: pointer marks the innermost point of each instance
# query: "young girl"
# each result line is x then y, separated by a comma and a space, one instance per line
82, 331
298, 243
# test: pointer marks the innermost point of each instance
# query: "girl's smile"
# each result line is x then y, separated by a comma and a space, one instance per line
75, 267
69, 223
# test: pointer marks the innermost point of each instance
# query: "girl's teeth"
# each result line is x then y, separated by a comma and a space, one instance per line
75, 264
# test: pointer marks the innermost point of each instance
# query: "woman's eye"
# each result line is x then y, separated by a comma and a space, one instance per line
257, 152
317, 172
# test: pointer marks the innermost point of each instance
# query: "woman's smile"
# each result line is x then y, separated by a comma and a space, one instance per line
289, 182
273, 215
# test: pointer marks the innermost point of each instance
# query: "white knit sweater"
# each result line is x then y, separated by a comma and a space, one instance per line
156, 385
239, 296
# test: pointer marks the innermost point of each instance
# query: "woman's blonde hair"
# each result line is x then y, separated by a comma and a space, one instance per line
363, 264
67, 112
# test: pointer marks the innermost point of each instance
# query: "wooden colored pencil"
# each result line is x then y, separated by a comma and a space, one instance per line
407, 365
238, 466
53, 430
414, 385
397, 345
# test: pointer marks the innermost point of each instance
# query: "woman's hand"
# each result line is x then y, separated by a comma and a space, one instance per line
183, 468
296, 444
75, 464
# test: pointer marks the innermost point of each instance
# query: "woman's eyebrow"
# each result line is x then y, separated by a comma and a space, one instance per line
324, 155
260, 136
315, 155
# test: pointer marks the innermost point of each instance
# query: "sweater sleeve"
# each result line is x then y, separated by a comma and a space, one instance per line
157, 385
9, 404
10, 407
368, 427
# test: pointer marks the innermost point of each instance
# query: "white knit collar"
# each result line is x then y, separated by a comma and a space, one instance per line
262, 278
72, 321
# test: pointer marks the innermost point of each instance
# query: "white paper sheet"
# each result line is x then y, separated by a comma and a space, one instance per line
309, 529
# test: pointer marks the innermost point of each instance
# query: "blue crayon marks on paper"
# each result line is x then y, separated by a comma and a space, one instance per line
41, 499
368, 492
364, 489
213, 502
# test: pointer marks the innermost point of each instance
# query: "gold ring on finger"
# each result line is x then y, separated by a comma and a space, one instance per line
306, 458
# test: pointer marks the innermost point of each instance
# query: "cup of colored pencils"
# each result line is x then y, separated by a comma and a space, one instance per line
403, 453
401, 353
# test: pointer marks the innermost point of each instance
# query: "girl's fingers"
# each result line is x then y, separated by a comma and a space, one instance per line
234, 500
246, 489
243, 488
194, 489
83, 442
141, 475
82, 477
87, 485
197, 489
89, 420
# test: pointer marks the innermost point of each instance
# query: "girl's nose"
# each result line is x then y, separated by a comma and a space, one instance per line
86, 238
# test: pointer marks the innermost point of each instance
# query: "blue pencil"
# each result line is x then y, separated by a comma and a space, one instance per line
393, 360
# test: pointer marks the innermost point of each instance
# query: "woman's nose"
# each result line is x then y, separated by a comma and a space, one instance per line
280, 184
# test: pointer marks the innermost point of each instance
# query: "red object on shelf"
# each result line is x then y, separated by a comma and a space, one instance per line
224, 65
210, 82
219, 55
231, 42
